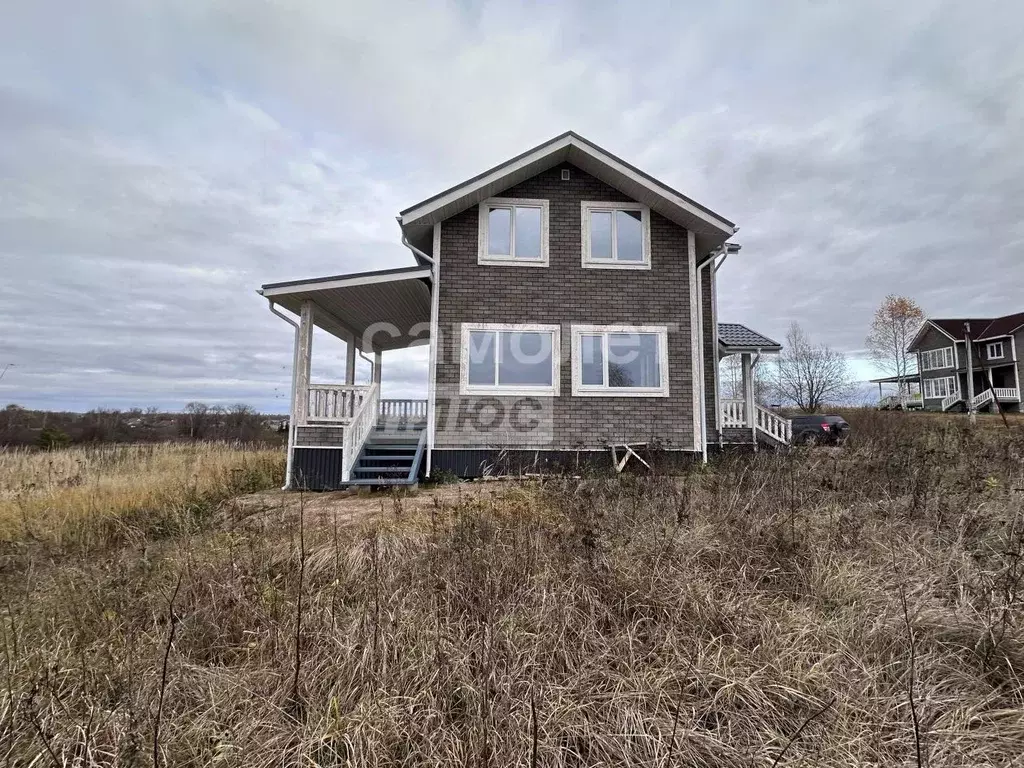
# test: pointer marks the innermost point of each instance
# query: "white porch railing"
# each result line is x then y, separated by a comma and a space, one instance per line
950, 401
334, 402
1010, 394
771, 423
903, 401
404, 410
358, 429
734, 413
983, 398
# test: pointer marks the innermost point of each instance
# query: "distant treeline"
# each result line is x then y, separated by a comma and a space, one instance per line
198, 421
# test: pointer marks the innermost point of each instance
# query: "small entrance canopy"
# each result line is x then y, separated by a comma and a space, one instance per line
383, 310
736, 339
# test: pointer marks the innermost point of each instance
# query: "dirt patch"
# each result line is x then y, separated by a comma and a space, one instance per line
349, 507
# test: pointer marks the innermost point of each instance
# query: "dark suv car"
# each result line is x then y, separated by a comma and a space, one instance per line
819, 430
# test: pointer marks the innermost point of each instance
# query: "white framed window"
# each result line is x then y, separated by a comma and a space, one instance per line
934, 359
994, 350
616, 235
513, 231
938, 389
620, 361
510, 359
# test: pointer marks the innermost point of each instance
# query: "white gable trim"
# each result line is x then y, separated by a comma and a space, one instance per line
545, 152
924, 327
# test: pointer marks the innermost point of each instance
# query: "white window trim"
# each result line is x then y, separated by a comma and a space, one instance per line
947, 355
929, 386
587, 207
483, 257
466, 388
579, 390
992, 345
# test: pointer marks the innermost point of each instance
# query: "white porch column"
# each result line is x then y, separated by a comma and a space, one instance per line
376, 368
302, 361
350, 362
748, 394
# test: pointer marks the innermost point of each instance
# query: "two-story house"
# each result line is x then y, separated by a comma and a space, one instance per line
950, 350
569, 303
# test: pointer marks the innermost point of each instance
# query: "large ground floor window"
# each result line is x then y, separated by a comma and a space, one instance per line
510, 359
620, 361
936, 389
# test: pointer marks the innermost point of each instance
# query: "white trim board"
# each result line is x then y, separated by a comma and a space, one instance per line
343, 282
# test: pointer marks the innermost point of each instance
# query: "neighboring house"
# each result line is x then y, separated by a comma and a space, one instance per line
987, 347
569, 302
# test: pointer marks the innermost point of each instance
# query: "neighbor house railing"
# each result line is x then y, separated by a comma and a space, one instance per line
1007, 393
950, 401
983, 398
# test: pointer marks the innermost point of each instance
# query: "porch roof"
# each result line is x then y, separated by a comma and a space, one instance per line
910, 377
733, 337
383, 310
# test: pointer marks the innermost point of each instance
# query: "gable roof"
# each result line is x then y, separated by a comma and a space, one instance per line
711, 228
739, 336
981, 327
1003, 326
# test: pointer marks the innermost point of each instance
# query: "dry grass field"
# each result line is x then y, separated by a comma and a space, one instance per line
831, 607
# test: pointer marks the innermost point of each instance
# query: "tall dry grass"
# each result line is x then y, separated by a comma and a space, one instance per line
850, 607
93, 495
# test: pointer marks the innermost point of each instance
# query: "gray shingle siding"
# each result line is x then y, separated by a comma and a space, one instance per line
565, 293
935, 339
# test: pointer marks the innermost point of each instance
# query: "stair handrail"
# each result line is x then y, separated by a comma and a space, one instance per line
983, 397
951, 400
774, 425
358, 429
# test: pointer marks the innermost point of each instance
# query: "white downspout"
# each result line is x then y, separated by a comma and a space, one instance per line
434, 334
702, 363
291, 407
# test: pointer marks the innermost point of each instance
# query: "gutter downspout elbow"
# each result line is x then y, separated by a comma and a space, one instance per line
416, 251
291, 406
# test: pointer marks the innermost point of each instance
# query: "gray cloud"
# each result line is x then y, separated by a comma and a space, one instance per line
159, 161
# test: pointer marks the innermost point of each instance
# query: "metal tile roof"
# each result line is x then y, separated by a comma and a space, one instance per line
736, 335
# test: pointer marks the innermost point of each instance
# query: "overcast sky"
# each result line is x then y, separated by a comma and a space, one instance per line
160, 161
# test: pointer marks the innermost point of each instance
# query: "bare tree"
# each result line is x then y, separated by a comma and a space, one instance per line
731, 380
892, 329
196, 420
811, 375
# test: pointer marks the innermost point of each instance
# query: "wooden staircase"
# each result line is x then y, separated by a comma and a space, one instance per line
391, 455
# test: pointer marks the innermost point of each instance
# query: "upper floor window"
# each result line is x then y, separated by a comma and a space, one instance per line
510, 359
514, 231
994, 350
616, 235
934, 359
622, 361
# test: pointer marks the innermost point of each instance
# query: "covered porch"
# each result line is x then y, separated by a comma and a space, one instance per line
907, 396
343, 432
743, 419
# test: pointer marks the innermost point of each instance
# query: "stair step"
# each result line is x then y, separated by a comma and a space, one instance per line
406, 457
381, 470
